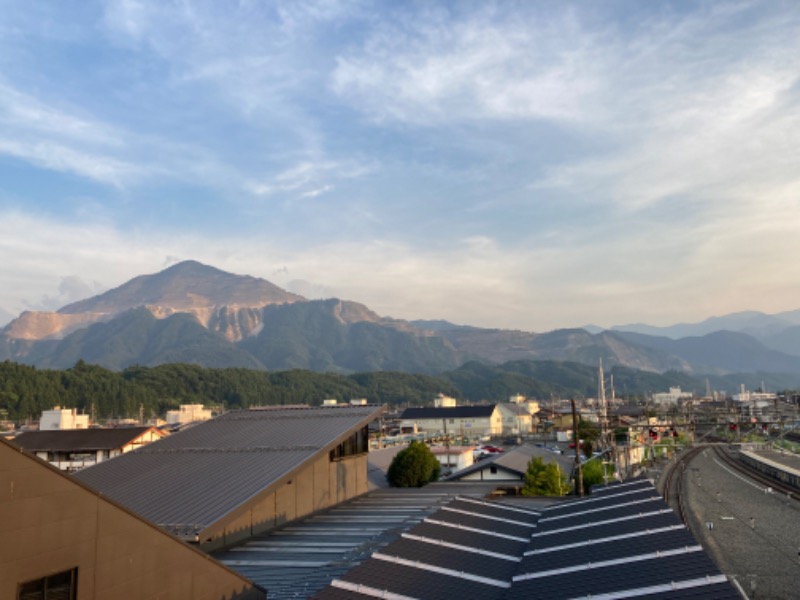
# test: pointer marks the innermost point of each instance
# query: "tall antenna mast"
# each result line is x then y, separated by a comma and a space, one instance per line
603, 407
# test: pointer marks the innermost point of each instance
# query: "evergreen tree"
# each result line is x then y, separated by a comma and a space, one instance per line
543, 479
414, 466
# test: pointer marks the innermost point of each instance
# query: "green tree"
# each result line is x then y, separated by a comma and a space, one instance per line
589, 432
414, 467
543, 479
594, 472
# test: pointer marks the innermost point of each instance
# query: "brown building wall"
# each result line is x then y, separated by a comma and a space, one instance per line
319, 485
51, 524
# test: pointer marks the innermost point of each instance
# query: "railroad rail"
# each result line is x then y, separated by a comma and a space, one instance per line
673, 486
767, 481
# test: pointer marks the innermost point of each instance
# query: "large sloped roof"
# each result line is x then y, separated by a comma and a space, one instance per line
192, 479
79, 440
449, 412
622, 541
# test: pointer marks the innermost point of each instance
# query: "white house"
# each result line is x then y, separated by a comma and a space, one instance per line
531, 405
468, 421
516, 418
672, 396
188, 413
442, 401
71, 450
62, 418
453, 458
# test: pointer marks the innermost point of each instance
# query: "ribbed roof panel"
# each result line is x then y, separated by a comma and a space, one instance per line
193, 478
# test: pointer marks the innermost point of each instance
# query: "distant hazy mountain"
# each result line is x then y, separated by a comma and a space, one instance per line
720, 352
194, 313
757, 324
5, 317
787, 340
577, 345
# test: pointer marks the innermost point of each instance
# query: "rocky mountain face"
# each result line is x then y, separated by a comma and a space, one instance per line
198, 314
193, 313
222, 302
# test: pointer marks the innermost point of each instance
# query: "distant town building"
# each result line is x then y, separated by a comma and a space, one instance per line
442, 401
516, 418
62, 418
672, 396
748, 396
469, 421
188, 413
531, 405
453, 458
71, 450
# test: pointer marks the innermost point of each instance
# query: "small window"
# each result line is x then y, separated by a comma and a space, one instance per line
61, 586
493, 470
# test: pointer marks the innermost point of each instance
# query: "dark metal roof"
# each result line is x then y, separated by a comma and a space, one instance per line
192, 479
452, 412
78, 440
301, 558
651, 556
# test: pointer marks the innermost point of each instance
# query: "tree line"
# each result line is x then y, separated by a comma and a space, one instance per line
26, 391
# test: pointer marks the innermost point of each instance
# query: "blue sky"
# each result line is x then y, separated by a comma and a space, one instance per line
526, 165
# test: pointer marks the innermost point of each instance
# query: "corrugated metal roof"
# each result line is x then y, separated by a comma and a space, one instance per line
297, 560
635, 559
190, 480
78, 440
451, 412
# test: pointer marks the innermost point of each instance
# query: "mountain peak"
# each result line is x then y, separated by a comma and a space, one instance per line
186, 285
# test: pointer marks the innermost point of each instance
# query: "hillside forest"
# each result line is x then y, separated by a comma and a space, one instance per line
26, 391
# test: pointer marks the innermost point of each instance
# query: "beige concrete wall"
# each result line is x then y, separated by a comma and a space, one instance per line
320, 485
51, 523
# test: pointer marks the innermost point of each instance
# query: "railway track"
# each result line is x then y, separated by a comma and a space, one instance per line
748, 471
673, 482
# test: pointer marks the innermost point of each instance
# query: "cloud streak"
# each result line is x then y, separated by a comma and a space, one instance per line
507, 164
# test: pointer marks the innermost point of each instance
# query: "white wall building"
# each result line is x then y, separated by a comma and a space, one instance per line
469, 421
442, 401
188, 413
672, 396
62, 418
531, 405
454, 458
516, 419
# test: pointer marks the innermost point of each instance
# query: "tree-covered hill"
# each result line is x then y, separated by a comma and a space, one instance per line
26, 391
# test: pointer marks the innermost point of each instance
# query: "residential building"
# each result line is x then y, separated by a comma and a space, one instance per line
76, 449
442, 401
62, 418
453, 458
531, 405
672, 397
517, 420
467, 421
510, 467
188, 413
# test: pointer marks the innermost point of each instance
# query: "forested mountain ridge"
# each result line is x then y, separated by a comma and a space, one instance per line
194, 313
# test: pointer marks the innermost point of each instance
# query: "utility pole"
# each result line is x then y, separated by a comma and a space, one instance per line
446, 441
577, 448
